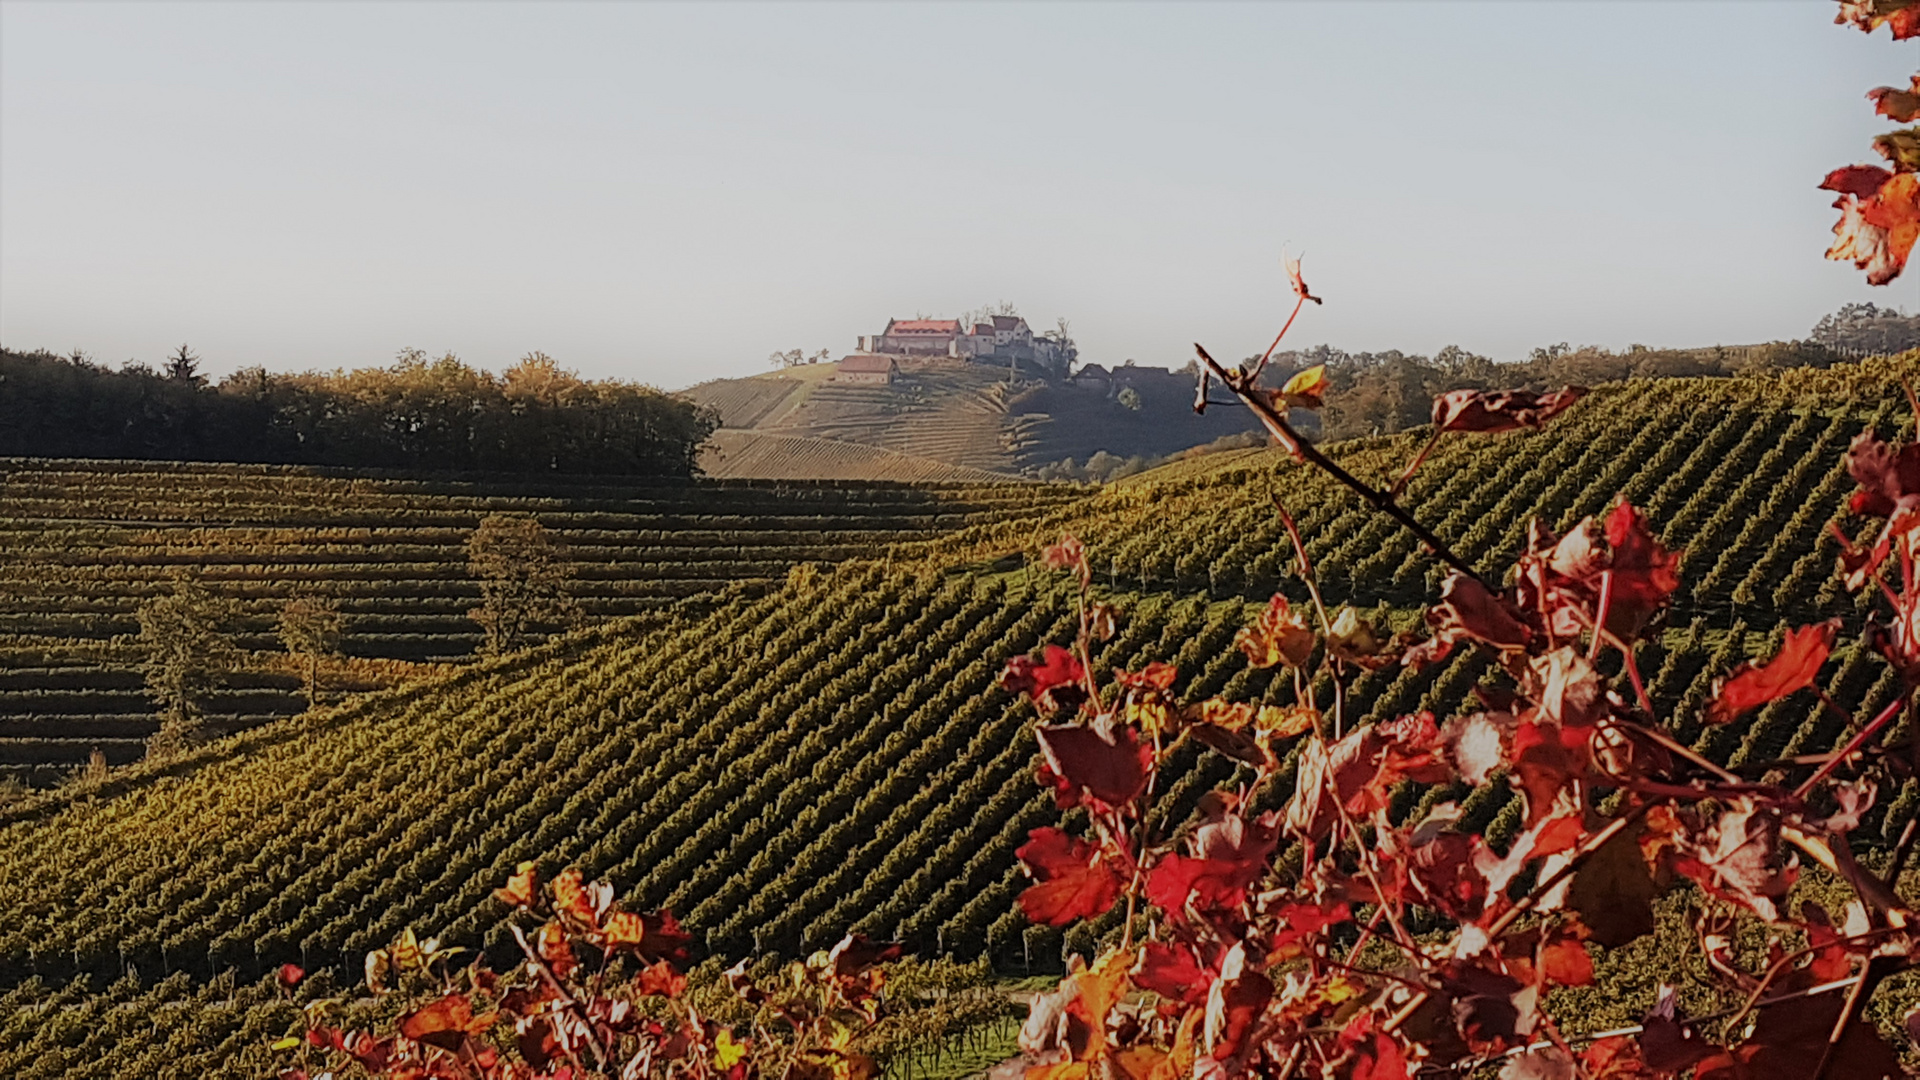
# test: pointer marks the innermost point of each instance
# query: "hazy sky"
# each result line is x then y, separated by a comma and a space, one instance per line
669, 193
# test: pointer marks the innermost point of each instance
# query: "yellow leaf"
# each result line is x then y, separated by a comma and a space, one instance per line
287, 1043
1232, 715
1153, 717
726, 1052
1288, 721
1306, 388
406, 952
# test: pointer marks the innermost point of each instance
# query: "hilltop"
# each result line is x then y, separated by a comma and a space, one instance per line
974, 415
833, 753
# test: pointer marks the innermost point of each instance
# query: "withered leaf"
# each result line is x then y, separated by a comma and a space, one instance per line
1501, 410
1613, 893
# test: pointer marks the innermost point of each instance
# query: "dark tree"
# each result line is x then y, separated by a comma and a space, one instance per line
183, 365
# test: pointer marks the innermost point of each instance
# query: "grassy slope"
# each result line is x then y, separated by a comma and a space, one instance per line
834, 755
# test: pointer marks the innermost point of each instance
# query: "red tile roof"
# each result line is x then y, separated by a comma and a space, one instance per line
866, 365
924, 326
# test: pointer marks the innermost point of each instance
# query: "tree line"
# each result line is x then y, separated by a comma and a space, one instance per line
419, 413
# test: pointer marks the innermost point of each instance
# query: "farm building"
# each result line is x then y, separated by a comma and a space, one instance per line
866, 368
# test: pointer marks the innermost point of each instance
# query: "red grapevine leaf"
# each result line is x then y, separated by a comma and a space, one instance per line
1492, 411
1860, 180
1209, 883
1071, 880
1830, 960
289, 975
1613, 892
1790, 1034
1297, 922
1644, 573
1080, 760
1877, 232
663, 939
1794, 667
1902, 17
1741, 859
1889, 479
1374, 1053
1172, 972
1060, 669
579, 902
1235, 1003
1616, 1058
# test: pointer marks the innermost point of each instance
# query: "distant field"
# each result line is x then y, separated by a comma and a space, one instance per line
732, 453
82, 544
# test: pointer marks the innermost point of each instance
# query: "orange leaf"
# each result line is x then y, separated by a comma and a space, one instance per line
445, 1023
1793, 668
1876, 231
581, 903
554, 948
522, 887
661, 978
624, 929
1279, 636
1564, 960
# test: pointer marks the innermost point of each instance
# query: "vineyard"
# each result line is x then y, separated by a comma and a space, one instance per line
783, 764
82, 544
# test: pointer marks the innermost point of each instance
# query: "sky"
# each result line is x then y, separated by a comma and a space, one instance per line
668, 193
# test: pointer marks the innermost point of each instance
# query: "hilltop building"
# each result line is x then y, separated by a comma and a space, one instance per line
1002, 339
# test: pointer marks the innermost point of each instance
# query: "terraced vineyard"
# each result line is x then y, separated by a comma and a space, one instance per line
834, 753
82, 544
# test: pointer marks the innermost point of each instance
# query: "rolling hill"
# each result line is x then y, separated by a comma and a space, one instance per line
975, 415
788, 763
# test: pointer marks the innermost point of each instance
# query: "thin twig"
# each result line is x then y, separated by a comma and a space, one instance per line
1853, 746
1288, 325
1406, 475
1298, 445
